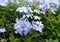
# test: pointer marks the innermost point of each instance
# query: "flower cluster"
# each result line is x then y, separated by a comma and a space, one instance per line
43, 4
26, 10
23, 25
37, 25
30, 14
50, 4
3, 2
46, 4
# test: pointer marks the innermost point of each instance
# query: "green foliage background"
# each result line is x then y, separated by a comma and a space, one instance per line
51, 30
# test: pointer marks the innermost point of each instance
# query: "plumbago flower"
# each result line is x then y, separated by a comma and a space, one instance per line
24, 9
29, 0
37, 11
50, 4
37, 18
3, 2
29, 15
37, 25
22, 26
2, 30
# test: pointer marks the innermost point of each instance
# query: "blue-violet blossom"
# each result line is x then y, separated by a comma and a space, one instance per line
22, 26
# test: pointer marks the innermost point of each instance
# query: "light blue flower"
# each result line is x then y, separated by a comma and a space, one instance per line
50, 4
47, 1
29, 15
37, 25
37, 18
56, 2
29, 0
29, 9
3, 2
44, 6
2, 30
37, 11
24, 9
12, 1
22, 26
40, 1
53, 10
